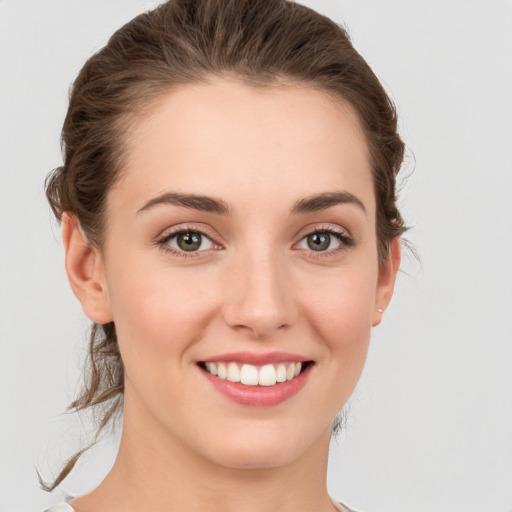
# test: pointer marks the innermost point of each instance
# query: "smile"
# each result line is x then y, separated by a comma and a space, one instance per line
257, 380
252, 375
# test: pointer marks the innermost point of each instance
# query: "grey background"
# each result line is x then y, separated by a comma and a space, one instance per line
430, 422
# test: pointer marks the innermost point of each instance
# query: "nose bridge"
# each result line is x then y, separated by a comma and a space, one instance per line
259, 295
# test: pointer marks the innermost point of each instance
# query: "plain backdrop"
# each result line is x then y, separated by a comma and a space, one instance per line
430, 424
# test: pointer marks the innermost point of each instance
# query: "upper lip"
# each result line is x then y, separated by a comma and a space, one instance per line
257, 359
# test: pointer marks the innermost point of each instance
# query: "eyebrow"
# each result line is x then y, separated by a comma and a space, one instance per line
193, 201
326, 200
310, 204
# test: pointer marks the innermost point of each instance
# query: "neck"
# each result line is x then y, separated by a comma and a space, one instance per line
154, 472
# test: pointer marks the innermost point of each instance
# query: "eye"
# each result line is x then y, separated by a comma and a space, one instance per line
188, 241
324, 240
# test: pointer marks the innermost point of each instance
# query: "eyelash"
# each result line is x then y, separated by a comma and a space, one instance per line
346, 241
164, 241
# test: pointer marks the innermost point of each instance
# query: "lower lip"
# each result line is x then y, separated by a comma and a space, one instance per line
259, 395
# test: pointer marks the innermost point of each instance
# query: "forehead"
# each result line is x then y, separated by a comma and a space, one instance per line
231, 140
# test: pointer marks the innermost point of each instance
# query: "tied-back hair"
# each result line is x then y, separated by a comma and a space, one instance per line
258, 42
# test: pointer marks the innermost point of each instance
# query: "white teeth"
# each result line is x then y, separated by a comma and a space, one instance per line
249, 375
212, 368
233, 374
222, 371
281, 373
267, 375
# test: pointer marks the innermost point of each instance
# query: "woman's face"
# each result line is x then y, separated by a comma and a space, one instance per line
242, 233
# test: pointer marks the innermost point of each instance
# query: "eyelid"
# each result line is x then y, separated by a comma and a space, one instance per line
198, 227
323, 227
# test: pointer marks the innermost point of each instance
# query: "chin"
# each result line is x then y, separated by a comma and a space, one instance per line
265, 448
256, 457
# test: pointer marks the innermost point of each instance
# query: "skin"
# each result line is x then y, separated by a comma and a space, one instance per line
257, 287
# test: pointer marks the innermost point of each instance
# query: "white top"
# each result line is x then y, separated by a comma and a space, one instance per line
61, 507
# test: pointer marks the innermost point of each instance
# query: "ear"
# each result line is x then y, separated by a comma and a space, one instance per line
85, 270
386, 281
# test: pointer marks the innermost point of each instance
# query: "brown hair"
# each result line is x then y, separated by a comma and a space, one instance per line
261, 42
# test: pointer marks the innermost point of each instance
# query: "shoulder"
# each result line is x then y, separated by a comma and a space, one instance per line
60, 507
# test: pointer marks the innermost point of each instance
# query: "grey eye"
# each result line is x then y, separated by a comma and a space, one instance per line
190, 241
320, 241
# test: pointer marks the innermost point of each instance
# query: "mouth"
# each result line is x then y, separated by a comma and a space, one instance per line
257, 379
267, 375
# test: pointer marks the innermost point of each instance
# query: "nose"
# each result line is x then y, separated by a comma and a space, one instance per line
258, 296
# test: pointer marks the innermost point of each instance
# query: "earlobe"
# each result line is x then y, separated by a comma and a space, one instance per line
85, 270
386, 282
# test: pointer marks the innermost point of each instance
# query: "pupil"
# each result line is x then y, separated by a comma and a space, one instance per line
189, 241
319, 241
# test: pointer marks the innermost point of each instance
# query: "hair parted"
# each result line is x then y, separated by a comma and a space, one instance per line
259, 42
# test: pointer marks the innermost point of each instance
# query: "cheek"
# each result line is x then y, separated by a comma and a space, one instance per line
340, 307
344, 296
159, 311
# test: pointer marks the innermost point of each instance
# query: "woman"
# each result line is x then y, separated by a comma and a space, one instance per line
229, 218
